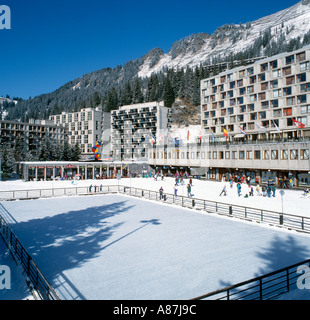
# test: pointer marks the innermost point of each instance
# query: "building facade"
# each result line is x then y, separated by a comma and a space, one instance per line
85, 128
30, 134
261, 99
248, 119
134, 126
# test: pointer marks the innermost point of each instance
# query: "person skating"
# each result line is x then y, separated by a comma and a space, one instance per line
224, 190
189, 190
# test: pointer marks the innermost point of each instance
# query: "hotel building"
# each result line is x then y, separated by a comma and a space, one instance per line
30, 134
134, 126
247, 116
85, 128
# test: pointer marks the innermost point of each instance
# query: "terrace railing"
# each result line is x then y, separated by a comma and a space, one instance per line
266, 287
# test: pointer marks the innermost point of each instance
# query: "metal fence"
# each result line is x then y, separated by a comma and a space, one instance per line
289, 221
266, 287
35, 276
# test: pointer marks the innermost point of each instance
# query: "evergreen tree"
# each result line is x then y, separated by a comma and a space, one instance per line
137, 95
66, 151
76, 152
168, 94
7, 162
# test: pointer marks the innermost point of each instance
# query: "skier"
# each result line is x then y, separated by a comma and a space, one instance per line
224, 190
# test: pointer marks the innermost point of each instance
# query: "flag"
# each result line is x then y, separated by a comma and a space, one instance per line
160, 139
153, 140
241, 130
259, 126
298, 124
225, 133
212, 133
276, 126
188, 135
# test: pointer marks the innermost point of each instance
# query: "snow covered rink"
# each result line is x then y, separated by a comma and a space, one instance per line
120, 247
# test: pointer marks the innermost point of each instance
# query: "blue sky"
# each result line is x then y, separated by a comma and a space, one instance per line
52, 42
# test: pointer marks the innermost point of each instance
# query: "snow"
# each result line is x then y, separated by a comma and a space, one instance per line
120, 247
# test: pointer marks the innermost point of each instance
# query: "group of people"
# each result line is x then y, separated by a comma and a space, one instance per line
178, 181
269, 190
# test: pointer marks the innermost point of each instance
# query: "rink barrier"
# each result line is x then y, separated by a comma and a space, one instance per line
266, 287
37, 280
272, 218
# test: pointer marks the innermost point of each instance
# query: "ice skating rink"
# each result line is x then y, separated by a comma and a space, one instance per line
120, 247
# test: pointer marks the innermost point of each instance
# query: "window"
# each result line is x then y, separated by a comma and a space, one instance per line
287, 91
302, 120
300, 56
304, 154
264, 86
232, 84
277, 93
221, 154
290, 59
234, 155
286, 71
290, 80
262, 115
302, 98
240, 83
273, 64
264, 67
305, 87
262, 77
257, 154
305, 109
227, 154
294, 154
287, 112
250, 89
266, 155
305, 66
277, 113
262, 96
242, 91
284, 154
241, 154
290, 101
214, 155
253, 97
273, 84
250, 107
252, 79
274, 154
249, 154
276, 73
301, 77
274, 103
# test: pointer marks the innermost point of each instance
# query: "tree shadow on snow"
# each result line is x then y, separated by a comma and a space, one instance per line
66, 241
281, 253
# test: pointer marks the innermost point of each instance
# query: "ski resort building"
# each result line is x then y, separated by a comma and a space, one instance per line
85, 128
255, 121
135, 128
30, 134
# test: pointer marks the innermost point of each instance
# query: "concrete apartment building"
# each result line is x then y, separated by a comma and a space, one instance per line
247, 116
31, 134
85, 128
134, 126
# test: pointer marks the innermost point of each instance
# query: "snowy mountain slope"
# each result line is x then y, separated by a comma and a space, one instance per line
292, 22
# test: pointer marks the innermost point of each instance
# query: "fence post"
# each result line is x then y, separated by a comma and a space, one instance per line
281, 219
230, 210
193, 203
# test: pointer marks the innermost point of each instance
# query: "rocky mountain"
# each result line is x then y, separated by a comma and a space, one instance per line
228, 40
286, 30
